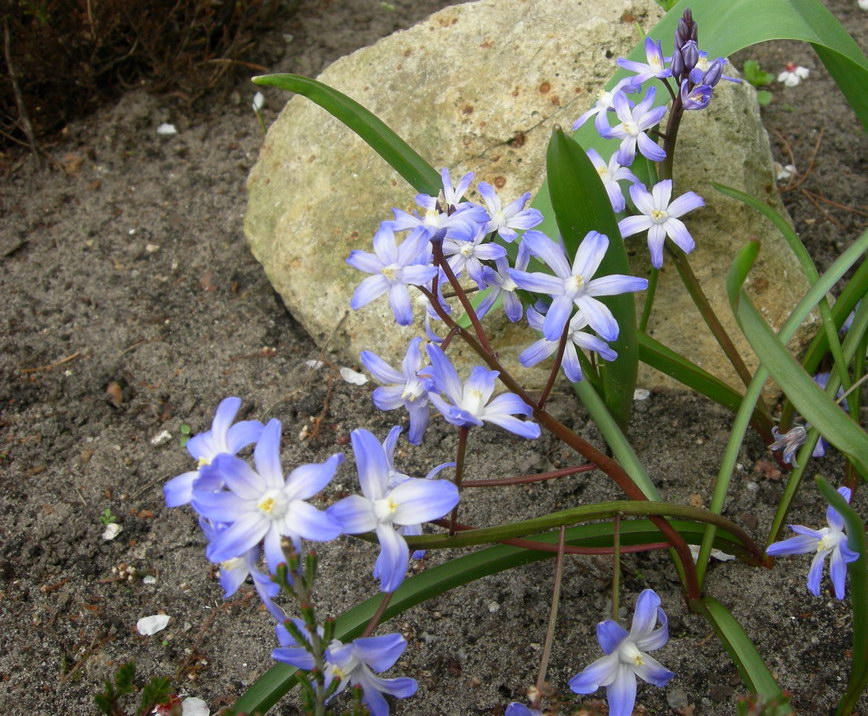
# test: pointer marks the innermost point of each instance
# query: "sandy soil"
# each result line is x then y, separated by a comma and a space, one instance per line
132, 306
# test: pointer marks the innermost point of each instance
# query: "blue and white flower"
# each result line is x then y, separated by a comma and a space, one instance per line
828, 542
407, 387
654, 67
262, 506
471, 404
383, 509
611, 173
222, 438
660, 218
604, 103
634, 123
627, 657
505, 221
393, 268
574, 285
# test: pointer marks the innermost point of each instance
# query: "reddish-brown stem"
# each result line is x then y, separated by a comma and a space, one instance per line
553, 617
525, 479
378, 615
556, 366
459, 472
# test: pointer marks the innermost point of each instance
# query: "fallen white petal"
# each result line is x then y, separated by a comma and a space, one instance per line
161, 438
641, 394
192, 706
352, 376
112, 530
149, 579
315, 364
166, 129
146, 626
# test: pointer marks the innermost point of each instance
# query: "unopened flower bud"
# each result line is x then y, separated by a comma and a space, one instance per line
689, 55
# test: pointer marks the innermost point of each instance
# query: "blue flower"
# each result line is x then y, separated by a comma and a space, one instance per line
500, 285
654, 67
471, 404
576, 338
356, 664
789, 442
574, 285
234, 571
821, 379
466, 256
383, 509
603, 104
223, 437
517, 709
408, 387
829, 542
632, 128
626, 656
263, 506
505, 221
611, 173
393, 268
660, 218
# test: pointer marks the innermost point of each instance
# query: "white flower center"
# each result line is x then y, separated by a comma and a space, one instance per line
392, 272
472, 401
432, 218
273, 504
498, 218
656, 63
384, 510
413, 389
231, 564
574, 285
659, 216
604, 99
629, 653
508, 284
603, 171
830, 539
630, 127
466, 250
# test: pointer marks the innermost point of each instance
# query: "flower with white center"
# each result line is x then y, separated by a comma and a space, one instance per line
626, 656
356, 663
789, 442
148, 626
383, 509
576, 338
234, 572
466, 256
829, 542
263, 506
603, 104
654, 67
611, 173
406, 388
222, 438
514, 216
393, 268
575, 285
500, 285
793, 74
471, 404
634, 123
660, 218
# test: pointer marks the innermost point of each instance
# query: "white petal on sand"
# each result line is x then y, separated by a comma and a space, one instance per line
354, 377
148, 626
112, 530
166, 129
192, 706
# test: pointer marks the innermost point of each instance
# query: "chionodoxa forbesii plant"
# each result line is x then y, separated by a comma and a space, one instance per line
449, 265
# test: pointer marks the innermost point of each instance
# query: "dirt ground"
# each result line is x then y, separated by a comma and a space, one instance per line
132, 306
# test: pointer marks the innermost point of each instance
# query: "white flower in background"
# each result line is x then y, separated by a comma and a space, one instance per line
863, 4
258, 102
166, 129
784, 172
793, 74
148, 626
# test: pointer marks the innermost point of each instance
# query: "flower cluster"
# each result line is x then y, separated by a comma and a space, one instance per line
247, 512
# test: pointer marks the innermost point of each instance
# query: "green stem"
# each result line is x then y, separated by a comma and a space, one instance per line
649, 299
616, 564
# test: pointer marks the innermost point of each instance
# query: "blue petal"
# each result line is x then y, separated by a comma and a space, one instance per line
622, 692
179, 490
243, 434
599, 317
610, 634
354, 514
557, 317
445, 375
221, 506
369, 289
273, 549
379, 652
418, 422
241, 536
225, 414
653, 671
307, 521
537, 352
365, 262
794, 545
296, 656
266, 456
371, 463
306, 480
551, 253
596, 674
815, 573
379, 369
239, 477
421, 501
645, 614
391, 565
537, 282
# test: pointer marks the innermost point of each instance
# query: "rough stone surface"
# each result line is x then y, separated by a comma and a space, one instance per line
478, 87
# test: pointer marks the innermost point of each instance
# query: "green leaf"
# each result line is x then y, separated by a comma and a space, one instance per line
403, 158
858, 572
812, 403
756, 76
754, 673
763, 98
581, 205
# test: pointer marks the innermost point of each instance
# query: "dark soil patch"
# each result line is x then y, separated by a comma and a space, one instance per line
132, 306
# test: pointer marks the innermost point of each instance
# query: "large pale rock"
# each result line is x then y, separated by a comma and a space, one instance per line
478, 87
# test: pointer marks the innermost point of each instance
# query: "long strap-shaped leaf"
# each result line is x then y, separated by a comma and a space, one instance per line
403, 158
811, 402
279, 679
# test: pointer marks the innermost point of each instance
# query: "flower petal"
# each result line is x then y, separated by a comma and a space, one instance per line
305, 520
653, 671
391, 565
421, 501
610, 634
621, 692
354, 514
371, 463
598, 673
379, 652
645, 614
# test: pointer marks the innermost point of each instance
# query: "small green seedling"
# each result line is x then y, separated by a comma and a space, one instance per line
186, 434
758, 77
107, 517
